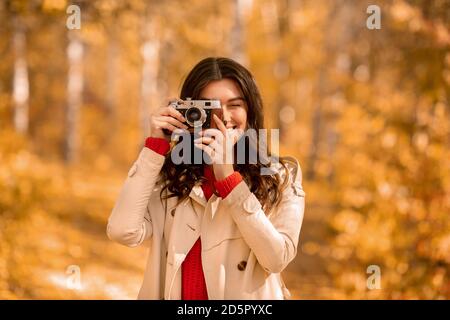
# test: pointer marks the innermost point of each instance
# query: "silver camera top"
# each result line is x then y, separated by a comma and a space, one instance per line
204, 104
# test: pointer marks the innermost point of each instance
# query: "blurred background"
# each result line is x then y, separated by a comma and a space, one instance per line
365, 110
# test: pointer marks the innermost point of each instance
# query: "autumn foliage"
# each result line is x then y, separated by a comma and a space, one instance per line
365, 111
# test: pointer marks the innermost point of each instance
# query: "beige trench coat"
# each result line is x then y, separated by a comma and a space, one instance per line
243, 250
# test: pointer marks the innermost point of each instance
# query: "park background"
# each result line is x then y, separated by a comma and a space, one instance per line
365, 110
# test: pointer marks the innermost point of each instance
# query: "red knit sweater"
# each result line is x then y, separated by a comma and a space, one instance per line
193, 285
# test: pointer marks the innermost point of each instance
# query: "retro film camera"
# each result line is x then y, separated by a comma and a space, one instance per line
198, 113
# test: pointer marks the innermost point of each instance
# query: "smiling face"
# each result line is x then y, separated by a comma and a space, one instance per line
232, 100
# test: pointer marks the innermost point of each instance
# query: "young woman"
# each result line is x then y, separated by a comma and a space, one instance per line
215, 231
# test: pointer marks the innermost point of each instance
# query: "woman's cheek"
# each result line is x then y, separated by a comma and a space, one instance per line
242, 120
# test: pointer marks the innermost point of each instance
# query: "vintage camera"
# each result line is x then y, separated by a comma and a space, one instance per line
198, 113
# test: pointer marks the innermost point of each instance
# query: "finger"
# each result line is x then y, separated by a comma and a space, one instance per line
179, 131
171, 111
204, 140
165, 125
175, 113
216, 147
236, 134
173, 121
220, 124
206, 149
213, 144
217, 134
172, 100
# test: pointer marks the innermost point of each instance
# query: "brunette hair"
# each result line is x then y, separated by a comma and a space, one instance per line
181, 178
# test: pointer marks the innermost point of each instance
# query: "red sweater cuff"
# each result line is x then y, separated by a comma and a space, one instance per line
159, 145
225, 186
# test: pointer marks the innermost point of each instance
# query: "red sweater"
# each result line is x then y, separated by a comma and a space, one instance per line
193, 285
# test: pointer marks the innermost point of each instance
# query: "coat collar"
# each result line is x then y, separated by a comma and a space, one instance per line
198, 195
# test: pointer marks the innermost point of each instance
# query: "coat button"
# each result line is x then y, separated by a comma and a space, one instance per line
241, 265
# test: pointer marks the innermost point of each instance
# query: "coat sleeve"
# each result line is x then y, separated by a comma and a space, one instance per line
272, 239
129, 222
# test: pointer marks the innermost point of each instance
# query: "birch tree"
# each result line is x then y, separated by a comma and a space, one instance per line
74, 96
20, 79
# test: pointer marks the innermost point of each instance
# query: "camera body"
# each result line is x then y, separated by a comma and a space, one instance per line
198, 113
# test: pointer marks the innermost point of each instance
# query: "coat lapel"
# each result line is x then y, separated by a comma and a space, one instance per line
198, 195
184, 232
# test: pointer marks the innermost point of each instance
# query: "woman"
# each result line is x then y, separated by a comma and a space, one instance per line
215, 231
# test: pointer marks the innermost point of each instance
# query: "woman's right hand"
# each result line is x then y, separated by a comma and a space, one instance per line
166, 118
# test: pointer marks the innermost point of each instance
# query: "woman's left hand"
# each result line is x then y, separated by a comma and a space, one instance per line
218, 144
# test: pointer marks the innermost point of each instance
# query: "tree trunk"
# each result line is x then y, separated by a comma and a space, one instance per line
74, 96
237, 31
321, 92
111, 73
20, 80
150, 55
282, 67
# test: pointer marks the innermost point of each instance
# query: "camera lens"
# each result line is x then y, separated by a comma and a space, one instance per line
195, 117
193, 114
